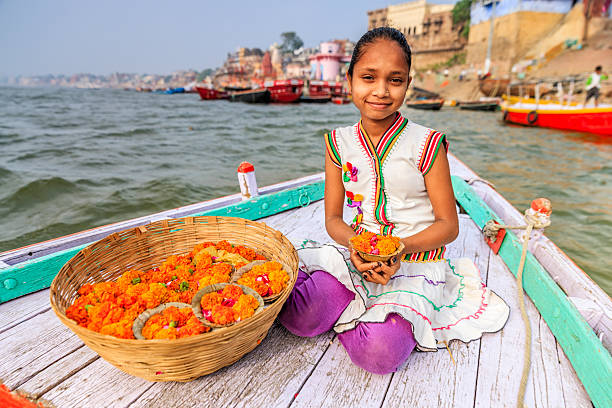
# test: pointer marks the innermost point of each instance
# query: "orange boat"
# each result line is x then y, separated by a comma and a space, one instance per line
592, 120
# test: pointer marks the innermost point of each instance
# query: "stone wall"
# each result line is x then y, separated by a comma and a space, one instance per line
514, 35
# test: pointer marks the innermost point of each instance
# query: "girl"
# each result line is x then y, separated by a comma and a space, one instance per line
396, 175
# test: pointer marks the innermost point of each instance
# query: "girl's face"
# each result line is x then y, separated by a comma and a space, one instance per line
380, 80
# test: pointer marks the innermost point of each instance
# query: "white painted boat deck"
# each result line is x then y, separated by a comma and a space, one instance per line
43, 358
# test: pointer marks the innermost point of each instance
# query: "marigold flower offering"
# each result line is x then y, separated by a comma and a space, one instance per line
268, 279
228, 305
375, 244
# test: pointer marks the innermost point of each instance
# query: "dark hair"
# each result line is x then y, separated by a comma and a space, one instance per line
380, 33
598, 68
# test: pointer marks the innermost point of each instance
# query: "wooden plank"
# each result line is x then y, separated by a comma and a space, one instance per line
36, 274
337, 382
58, 372
589, 358
32, 346
432, 379
98, 384
503, 353
268, 376
23, 308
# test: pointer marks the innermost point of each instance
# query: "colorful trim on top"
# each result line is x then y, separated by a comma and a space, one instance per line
378, 155
429, 150
434, 255
331, 145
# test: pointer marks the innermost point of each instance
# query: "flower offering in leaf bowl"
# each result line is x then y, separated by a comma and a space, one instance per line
375, 247
225, 304
171, 320
267, 278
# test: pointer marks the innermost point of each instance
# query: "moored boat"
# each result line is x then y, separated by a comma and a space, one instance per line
320, 92
552, 115
259, 95
210, 93
425, 104
340, 100
285, 91
489, 106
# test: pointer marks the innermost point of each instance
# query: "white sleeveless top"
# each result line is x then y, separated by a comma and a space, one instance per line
388, 179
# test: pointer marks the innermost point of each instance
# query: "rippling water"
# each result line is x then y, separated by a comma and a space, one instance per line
74, 159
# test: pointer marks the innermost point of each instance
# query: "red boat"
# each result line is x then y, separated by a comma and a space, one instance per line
210, 93
284, 91
591, 120
340, 100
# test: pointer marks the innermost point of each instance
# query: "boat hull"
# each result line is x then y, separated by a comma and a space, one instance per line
209, 94
480, 106
315, 98
252, 96
285, 91
426, 104
598, 121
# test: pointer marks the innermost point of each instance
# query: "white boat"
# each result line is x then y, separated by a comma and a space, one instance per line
570, 364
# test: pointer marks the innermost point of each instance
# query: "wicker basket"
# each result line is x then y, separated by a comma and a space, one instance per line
146, 247
197, 298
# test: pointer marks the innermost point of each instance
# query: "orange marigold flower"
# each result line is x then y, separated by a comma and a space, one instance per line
224, 245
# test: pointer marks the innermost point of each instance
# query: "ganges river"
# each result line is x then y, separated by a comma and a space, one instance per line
72, 159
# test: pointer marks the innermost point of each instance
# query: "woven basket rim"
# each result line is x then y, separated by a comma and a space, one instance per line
197, 309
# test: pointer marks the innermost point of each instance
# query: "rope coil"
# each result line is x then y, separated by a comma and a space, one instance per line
537, 216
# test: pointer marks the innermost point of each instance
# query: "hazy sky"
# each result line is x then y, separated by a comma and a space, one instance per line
161, 36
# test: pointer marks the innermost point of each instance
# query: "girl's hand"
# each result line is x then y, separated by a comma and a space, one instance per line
387, 270
376, 272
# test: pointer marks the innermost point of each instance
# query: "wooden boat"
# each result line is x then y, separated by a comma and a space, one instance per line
551, 115
210, 93
321, 91
479, 105
571, 367
259, 95
427, 104
315, 98
340, 100
284, 91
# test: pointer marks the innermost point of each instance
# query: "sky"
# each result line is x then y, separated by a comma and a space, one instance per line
162, 36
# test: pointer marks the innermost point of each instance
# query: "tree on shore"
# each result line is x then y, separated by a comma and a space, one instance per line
291, 41
461, 15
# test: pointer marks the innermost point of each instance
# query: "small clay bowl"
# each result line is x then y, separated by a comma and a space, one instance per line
241, 271
381, 258
141, 320
197, 308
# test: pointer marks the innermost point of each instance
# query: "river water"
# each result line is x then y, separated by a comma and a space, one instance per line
74, 159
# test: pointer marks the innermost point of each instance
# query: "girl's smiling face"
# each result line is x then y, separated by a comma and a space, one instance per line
380, 80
